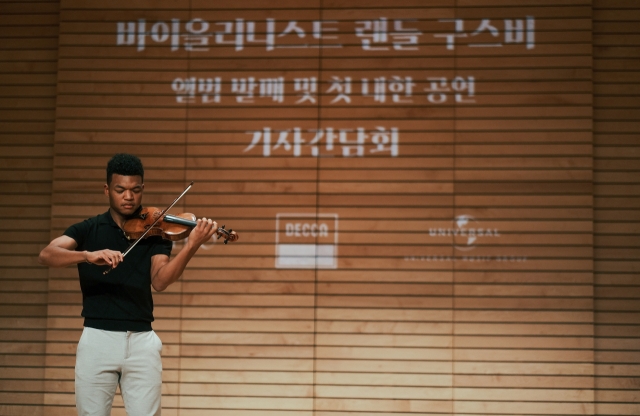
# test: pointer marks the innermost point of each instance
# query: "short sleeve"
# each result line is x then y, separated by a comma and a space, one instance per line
162, 247
79, 233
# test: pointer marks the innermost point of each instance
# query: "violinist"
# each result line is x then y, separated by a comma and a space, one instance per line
118, 345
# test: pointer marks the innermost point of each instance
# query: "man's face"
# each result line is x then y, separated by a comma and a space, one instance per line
125, 193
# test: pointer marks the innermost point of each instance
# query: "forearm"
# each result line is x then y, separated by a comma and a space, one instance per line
168, 271
60, 257
173, 269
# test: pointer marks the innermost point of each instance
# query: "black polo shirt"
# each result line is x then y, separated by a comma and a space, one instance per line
120, 300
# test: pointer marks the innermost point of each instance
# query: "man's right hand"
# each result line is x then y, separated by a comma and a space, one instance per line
105, 258
61, 253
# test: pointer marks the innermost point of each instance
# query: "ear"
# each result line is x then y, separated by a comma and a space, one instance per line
106, 189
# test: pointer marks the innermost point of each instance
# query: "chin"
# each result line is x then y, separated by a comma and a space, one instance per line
127, 212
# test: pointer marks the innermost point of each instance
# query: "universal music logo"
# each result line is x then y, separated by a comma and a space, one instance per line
466, 233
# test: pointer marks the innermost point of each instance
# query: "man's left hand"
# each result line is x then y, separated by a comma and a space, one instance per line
202, 232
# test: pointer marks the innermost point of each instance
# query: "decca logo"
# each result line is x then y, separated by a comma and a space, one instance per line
465, 232
307, 241
298, 229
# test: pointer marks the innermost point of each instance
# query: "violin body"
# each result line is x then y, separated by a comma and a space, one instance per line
169, 227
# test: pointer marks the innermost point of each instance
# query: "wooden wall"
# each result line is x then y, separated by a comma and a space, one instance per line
28, 76
409, 313
616, 176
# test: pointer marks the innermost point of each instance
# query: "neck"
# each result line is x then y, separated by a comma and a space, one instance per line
119, 219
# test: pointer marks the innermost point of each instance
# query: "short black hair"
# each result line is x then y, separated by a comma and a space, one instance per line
126, 165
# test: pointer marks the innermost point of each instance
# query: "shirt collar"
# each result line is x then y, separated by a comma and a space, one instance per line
107, 219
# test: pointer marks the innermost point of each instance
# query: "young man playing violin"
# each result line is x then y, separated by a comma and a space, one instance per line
118, 345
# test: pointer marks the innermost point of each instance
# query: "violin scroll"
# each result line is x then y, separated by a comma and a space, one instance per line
229, 235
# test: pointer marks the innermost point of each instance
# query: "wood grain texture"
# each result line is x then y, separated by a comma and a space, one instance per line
28, 76
615, 222
489, 267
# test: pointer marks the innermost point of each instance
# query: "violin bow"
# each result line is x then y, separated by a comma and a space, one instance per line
154, 223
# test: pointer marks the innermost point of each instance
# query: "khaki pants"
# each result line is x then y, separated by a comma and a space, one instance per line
108, 358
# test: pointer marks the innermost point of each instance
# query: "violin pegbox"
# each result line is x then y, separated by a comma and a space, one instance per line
228, 234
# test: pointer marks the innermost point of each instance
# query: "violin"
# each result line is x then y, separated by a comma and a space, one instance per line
151, 222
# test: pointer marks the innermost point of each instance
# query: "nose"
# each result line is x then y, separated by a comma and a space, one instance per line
128, 195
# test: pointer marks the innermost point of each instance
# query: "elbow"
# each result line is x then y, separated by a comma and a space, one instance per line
158, 287
48, 258
43, 258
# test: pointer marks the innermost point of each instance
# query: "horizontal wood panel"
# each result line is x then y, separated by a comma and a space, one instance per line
615, 155
408, 323
27, 97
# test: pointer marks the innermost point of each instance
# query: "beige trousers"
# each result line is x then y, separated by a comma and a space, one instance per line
108, 358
